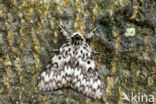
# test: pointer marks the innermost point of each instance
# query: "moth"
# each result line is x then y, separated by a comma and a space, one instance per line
72, 66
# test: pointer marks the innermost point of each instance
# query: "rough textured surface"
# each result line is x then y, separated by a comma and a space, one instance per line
126, 42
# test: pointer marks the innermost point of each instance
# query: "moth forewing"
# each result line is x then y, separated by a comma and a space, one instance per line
73, 67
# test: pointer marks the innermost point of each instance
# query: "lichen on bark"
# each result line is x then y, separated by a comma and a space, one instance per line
29, 33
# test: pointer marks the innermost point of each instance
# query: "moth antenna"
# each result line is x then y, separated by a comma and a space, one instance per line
91, 34
64, 31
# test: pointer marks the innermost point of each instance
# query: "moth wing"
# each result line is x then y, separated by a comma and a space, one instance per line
93, 82
87, 81
86, 78
54, 75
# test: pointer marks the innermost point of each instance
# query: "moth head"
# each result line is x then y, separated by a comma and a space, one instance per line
77, 39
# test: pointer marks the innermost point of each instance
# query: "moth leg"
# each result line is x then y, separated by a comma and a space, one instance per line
55, 50
94, 51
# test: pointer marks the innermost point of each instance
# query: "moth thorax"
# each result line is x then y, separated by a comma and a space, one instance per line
77, 39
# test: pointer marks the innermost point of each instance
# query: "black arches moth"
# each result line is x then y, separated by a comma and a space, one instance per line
73, 66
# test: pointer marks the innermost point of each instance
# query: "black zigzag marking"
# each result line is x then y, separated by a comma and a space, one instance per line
72, 67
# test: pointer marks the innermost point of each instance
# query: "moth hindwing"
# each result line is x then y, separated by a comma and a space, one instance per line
73, 66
